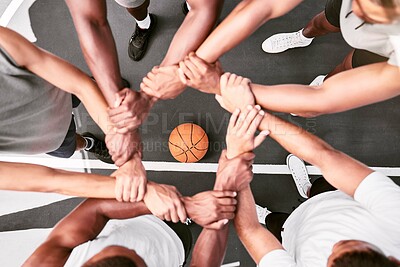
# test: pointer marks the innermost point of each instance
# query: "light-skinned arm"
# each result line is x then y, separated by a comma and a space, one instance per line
234, 173
245, 19
336, 166
339, 169
344, 91
49, 67
72, 80
257, 240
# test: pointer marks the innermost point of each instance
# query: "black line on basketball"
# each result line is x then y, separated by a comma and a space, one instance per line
183, 151
200, 139
177, 129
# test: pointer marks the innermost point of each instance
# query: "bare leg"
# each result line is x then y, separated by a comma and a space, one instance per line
345, 65
80, 142
319, 26
140, 12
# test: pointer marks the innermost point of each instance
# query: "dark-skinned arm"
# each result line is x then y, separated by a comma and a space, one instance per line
82, 224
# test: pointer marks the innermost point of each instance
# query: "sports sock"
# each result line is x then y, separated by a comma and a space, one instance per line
188, 6
144, 24
309, 39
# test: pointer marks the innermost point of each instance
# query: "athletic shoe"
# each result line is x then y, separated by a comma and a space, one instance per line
299, 174
262, 214
283, 41
140, 39
319, 80
97, 147
185, 9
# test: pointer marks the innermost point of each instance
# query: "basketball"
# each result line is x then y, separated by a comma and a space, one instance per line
188, 142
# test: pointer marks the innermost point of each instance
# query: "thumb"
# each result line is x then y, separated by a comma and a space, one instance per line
260, 138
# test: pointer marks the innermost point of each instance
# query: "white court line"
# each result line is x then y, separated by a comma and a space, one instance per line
171, 166
9, 12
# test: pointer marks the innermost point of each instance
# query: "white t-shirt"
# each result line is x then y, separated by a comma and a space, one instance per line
381, 39
316, 225
150, 237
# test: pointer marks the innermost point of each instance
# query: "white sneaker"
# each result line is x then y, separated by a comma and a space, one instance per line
319, 80
262, 213
299, 174
283, 41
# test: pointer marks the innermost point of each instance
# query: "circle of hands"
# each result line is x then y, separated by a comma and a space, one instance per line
211, 209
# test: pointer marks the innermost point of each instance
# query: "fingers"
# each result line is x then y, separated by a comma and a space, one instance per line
242, 117
260, 138
248, 120
224, 194
233, 120
119, 189
182, 76
186, 70
198, 63
130, 192
223, 81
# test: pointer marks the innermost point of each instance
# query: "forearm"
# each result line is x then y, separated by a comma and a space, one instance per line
98, 45
245, 19
257, 240
344, 91
29, 177
340, 170
197, 24
210, 248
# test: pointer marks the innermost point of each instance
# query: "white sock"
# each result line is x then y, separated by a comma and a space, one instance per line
144, 24
188, 6
305, 38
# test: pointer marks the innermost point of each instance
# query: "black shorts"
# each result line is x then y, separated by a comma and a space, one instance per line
68, 146
360, 57
184, 234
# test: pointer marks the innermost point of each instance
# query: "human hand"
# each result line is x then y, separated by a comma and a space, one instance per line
122, 147
131, 181
130, 110
163, 83
235, 92
164, 201
198, 74
211, 209
234, 174
241, 129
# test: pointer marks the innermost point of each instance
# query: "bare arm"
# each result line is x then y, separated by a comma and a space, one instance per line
197, 24
257, 240
98, 45
82, 224
344, 91
245, 19
339, 169
58, 72
29, 177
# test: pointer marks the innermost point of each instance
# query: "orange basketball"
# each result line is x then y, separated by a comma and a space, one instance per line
188, 142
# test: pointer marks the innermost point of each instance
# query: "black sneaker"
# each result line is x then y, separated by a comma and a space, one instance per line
185, 9
140, 39
98, 148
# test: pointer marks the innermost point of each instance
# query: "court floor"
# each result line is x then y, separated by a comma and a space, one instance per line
369, 134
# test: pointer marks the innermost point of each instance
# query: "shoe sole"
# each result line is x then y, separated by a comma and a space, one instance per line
297, 167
